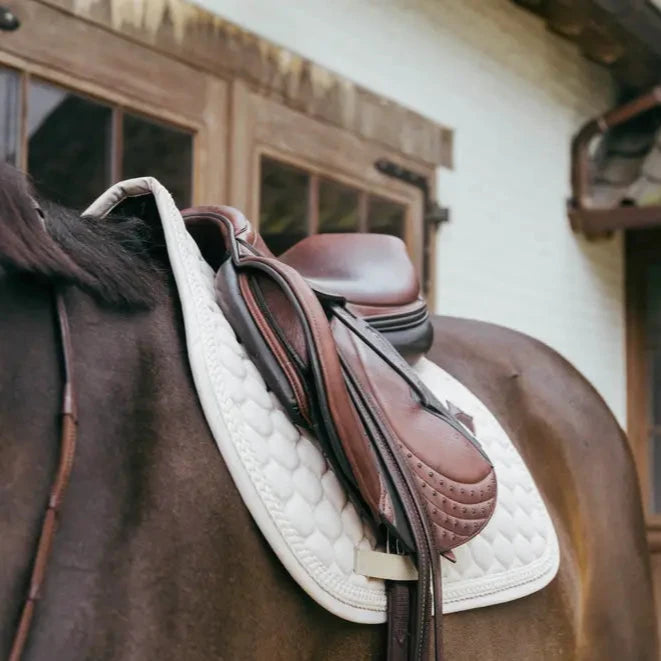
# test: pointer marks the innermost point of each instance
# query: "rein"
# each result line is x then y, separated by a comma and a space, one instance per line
61, 480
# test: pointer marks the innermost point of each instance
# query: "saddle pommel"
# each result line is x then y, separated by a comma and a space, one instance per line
203, 223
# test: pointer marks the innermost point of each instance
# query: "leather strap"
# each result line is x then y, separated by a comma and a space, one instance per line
399, 615
59, 486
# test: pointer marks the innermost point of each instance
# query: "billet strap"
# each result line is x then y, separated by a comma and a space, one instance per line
400, 596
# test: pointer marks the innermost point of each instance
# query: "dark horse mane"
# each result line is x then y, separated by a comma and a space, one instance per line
114, 260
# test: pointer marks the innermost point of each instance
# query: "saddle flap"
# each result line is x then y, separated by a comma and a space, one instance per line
450, 470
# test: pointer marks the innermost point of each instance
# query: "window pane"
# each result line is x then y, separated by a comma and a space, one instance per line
68, 145
385, 217
9, 113
338, 207
154, 150
283, 205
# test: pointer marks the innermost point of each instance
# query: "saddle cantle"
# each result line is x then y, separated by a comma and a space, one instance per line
406, 461
376, 279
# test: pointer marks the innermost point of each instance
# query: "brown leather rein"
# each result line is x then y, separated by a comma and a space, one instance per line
60, 482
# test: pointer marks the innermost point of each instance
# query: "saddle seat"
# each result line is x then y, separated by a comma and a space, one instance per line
371, 272
375, 276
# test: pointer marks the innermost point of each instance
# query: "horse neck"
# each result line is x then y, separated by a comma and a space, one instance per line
137, 413
30, 395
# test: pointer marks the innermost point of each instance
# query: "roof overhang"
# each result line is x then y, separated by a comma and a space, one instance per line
624, 35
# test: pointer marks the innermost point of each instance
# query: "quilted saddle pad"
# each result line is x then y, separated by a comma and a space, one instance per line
292, 493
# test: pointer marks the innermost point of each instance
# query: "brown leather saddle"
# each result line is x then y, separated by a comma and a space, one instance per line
315, 322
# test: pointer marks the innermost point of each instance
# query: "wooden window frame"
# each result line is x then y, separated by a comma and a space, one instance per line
264, 127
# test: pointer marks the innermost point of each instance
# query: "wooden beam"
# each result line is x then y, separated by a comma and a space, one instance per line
49, 41
207, 42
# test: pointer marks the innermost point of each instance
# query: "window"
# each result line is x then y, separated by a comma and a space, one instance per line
69, 145
160, 151
77, 146
295, 203
297, 176
284, 216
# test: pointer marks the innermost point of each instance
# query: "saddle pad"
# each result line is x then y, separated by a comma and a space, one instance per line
288, 487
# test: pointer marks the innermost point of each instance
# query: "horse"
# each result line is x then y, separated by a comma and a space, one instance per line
156, 556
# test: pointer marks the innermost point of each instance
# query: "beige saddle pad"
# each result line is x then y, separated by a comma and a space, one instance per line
291, 492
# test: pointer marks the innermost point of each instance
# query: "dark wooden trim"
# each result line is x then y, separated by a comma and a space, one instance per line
363, 211
620, 34
642, 249
116, 137
637, 396
208, 43
654, 540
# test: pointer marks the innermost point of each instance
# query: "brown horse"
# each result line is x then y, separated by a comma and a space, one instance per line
156, 556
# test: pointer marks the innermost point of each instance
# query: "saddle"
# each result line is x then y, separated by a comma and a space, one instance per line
315, 322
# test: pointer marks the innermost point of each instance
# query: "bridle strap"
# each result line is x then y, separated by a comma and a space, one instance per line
60, 482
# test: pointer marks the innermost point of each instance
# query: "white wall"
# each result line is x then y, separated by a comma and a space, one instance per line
514, 94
